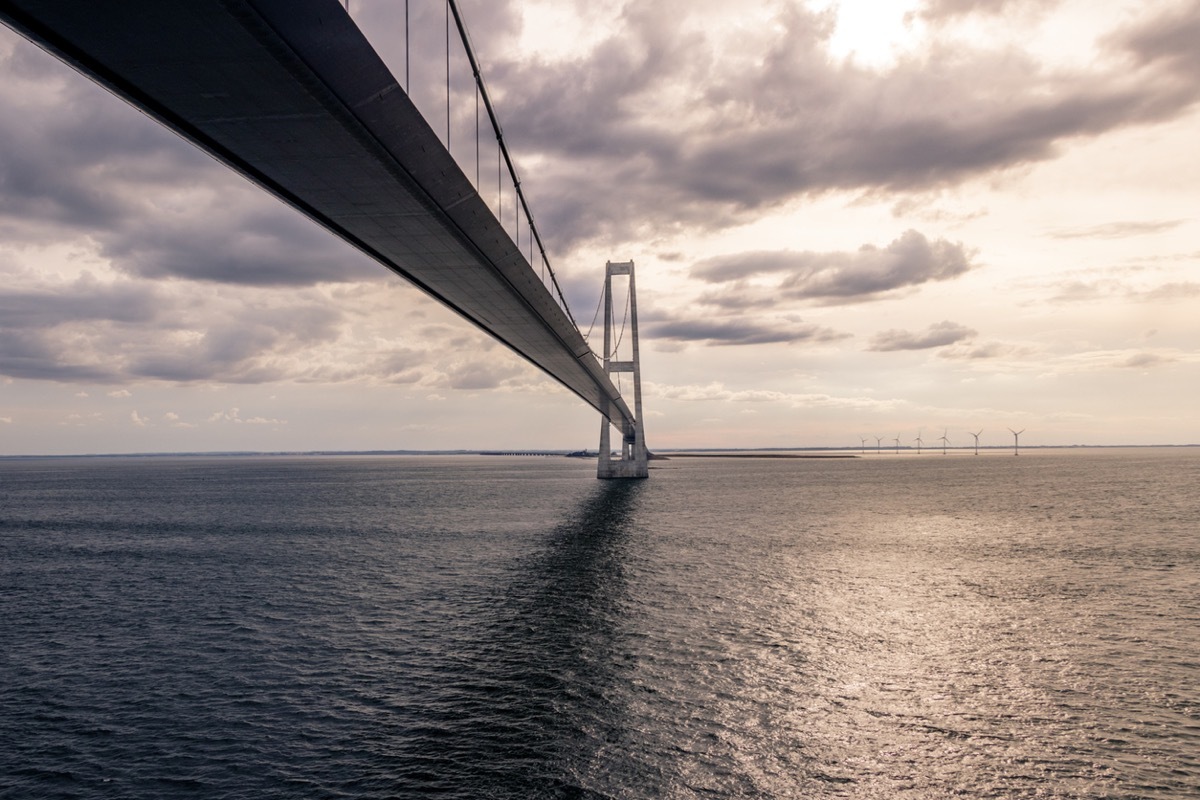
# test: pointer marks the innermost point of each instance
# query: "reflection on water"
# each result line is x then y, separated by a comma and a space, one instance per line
531, 695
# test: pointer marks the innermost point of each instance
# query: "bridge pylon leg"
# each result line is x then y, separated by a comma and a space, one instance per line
633, 459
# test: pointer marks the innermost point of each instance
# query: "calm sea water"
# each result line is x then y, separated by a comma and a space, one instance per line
487, 627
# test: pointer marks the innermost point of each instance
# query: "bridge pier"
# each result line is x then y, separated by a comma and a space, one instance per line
633, 459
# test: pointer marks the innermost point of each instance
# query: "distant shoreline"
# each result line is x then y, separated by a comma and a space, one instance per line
729, 452
756, 455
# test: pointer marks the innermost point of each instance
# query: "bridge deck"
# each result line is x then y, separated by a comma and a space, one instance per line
290, 94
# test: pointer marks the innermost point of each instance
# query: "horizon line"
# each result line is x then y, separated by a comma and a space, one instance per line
549, 451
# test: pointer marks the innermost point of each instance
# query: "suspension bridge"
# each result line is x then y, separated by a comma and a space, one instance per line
291, 95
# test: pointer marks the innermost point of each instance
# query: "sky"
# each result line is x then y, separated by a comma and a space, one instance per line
851, 220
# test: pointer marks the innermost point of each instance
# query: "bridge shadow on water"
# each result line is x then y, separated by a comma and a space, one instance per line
533, 703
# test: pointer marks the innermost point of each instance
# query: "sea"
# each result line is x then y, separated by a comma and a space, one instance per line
886, 626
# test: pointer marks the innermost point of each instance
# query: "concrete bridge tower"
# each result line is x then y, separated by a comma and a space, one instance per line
632, 462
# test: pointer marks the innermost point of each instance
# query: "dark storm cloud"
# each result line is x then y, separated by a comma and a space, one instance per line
736, 135
937, 335
837, 277
737, 331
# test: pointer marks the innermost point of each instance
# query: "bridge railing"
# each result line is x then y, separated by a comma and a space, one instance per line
452, 95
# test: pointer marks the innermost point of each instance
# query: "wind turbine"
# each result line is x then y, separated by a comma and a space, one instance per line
1016, 441
878, 445
919, 441
976, 435
897, 441
944, 440
864, 444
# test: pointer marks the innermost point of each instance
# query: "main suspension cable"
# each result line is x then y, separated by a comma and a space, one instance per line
476, 138
624, 319
599, 303
448, 76
503, 147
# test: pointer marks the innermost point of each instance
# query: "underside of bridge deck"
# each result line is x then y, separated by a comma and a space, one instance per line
290, 94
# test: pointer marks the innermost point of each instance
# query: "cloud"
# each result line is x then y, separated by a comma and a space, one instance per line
1171, 291
72, 152
986, 350
748, 119
1144, 361
6, 420
950, 9
176, 422
138, 419
479, 375
716, 391
86, 299
743, 119
712, 391
925, 207
234, 243
401, 365
1117, 230
247, 350
839, 277
234, 416
1083, 291
120, 330
1167, 41
1077, 291
937, 335
736, 331
28, 354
